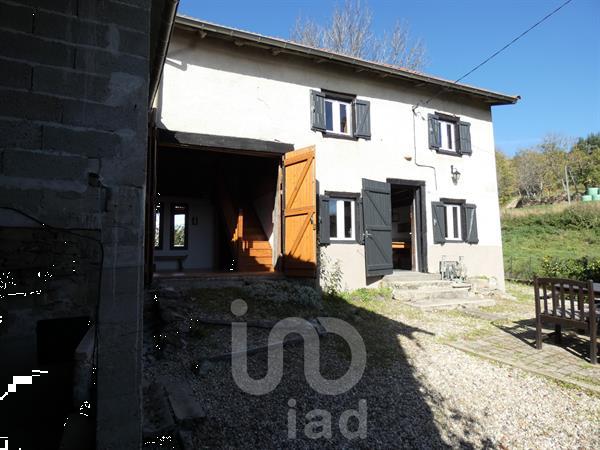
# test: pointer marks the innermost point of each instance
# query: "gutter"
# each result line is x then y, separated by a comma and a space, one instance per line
166, 30
279, 45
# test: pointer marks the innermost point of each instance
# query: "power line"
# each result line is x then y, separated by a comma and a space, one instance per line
496, 53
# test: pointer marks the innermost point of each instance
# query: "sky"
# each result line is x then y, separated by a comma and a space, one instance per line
555, 68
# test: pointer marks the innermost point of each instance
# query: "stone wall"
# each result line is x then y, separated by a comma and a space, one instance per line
73, 130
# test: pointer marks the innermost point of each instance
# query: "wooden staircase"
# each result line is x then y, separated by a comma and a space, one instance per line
250, 247
254, 250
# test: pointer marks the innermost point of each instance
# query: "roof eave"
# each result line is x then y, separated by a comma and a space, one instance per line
244, 37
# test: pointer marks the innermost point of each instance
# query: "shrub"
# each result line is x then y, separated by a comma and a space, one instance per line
578, 269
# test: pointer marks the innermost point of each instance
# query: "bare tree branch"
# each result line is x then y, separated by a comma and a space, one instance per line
349, 31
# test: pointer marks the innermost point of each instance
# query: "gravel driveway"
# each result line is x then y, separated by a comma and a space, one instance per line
419, 393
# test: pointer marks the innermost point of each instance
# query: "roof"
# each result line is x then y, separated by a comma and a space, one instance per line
276, 46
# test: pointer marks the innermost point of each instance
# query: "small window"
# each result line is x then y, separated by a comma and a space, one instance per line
338, 117
158, 227
452, 214
179, 226
448, 136
341, 219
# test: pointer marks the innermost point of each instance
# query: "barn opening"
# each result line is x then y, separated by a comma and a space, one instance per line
216, 210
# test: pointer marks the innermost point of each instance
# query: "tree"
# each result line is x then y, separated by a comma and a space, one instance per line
584, 161
531, 173
349, 31
507, 178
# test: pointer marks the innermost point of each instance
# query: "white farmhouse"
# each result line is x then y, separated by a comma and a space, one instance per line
276, 157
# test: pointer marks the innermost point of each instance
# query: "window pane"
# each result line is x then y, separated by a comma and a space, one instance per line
328, 115
455, 220
157, 227
179, 228
343, 119
449, 135
347, 219
333, 218
446, 221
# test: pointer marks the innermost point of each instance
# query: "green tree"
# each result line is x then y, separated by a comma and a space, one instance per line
507, 178
584, 161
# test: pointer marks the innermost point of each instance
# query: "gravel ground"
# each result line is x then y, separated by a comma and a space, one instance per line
419, 392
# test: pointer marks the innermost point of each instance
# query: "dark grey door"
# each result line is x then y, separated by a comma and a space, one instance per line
377, 218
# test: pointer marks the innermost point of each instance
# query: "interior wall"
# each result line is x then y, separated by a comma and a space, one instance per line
200, 250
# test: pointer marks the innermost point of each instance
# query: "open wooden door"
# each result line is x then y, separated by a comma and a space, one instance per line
300, 209
377, 217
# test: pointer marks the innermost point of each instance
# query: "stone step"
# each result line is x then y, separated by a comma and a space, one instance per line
415, 285
451, 303
407, 275
435, 293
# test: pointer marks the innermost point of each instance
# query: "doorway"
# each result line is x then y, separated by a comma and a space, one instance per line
408, 225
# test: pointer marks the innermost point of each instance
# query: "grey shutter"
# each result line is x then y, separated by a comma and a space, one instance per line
439, 222
362, 119
435, 140
324, 237
317, 110
377, 219
470, 227
464, 137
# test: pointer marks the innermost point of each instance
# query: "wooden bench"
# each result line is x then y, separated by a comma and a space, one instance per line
179, 258
569, 304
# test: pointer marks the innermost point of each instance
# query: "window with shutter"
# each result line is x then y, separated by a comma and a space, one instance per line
454, 221
340, 115
324, 223
448, 135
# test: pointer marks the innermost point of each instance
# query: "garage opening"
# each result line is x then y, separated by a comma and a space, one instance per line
216, 211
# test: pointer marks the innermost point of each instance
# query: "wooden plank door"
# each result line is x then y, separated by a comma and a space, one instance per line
300, 208
377, 217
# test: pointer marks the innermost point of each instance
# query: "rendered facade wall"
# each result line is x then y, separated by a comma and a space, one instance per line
218, 88
73, 131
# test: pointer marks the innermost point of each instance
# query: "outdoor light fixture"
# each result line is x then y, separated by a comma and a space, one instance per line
455, 174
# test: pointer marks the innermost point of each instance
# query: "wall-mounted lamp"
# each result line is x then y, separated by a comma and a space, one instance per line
455, 174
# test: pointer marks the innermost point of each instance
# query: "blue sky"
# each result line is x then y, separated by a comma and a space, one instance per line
555, 68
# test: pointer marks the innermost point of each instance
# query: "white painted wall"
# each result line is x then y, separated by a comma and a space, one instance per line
215, 87
201, 239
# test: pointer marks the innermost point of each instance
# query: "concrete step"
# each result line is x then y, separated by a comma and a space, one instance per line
451, 303
414, 285
448, 292
408, 275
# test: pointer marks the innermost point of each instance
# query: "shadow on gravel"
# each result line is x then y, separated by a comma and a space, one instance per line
398, 411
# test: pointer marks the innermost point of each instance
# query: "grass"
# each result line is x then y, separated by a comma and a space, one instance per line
558, 231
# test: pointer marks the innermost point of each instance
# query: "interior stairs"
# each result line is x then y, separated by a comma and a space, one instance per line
256, 254
429, 292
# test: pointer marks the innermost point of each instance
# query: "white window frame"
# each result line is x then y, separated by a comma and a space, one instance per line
340, 222
450, 222
445, 145
335, 119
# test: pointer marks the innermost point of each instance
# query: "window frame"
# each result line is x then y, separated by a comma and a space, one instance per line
460, 205
354, 216
172, 227
340, 98
452, 120
159, 208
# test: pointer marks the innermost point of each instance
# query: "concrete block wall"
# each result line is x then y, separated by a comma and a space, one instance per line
73, 110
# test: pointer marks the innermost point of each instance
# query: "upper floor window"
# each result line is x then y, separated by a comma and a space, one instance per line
338, 118
449, 135
340, 115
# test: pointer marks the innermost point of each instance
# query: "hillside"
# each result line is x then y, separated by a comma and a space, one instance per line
561, 232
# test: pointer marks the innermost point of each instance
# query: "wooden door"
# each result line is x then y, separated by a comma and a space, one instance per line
377, 218
300, 208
